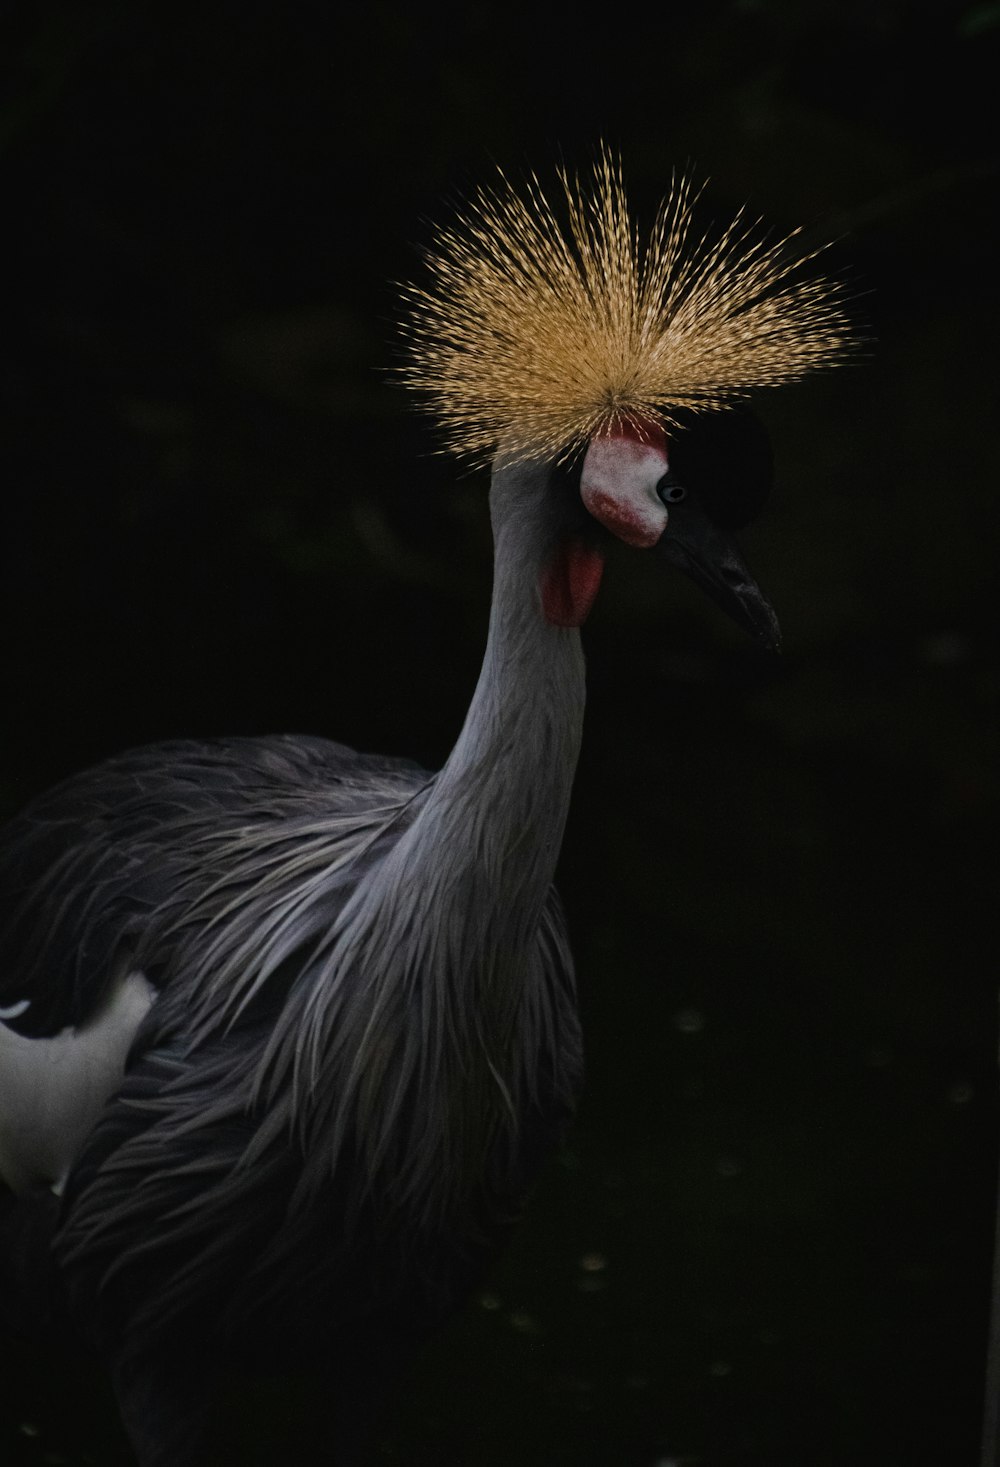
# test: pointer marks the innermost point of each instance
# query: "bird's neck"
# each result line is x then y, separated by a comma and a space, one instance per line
436, 1014
487, 840
505, 789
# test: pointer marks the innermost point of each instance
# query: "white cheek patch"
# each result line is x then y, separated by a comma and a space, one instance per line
618, 487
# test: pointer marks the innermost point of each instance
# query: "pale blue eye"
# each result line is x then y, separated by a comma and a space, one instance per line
671, 493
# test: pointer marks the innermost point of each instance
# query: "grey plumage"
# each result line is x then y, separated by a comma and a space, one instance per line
365, 1034
237, 1077
364, 1038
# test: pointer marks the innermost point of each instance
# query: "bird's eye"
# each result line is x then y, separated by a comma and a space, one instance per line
670, 491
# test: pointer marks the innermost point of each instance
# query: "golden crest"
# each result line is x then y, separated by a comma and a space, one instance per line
538, 333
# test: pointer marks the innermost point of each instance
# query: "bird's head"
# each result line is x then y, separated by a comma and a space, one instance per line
558, 337
683, 493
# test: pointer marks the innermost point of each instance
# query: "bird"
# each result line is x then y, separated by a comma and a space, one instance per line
289, 1030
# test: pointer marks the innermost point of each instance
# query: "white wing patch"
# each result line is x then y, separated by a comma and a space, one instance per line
53, 1090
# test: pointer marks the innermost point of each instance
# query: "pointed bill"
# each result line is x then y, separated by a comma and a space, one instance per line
697, 546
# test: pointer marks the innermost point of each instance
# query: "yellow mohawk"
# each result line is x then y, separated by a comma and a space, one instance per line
541, 337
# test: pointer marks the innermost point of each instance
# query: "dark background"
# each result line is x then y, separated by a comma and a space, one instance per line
769, 1242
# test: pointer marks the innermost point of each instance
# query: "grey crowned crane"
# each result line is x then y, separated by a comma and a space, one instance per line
288, 1029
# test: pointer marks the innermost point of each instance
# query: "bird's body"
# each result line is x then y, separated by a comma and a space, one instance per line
395, 1098
307, 1016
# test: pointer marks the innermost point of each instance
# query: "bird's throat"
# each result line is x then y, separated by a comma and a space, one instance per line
570, 580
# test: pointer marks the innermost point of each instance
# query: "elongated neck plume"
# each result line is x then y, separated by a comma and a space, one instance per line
466, 884
429, 1013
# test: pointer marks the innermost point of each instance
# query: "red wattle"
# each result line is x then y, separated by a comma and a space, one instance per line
570, 582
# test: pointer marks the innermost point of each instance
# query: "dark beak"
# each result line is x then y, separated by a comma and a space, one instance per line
696, 545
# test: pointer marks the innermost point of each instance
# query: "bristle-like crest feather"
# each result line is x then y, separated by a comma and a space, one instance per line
534, 335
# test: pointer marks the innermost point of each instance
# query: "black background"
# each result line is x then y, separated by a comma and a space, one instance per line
769, 1241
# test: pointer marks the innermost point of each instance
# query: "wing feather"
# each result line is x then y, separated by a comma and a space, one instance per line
90, 871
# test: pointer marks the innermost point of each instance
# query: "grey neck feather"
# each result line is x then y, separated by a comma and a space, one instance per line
482, 853
499, 806
430, 1012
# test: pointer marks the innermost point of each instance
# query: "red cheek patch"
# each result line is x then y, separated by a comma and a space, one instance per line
636, 522
639, 430
570, 582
